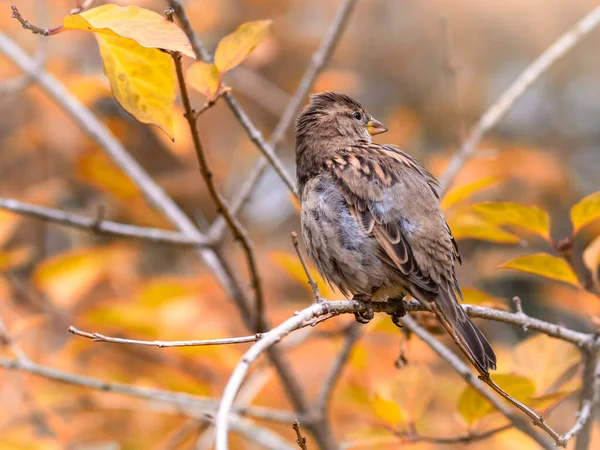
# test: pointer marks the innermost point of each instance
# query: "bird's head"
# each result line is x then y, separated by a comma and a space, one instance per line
331, 115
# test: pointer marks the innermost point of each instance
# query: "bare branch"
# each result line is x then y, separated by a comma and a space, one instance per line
319, 59
105, 227
311, 282
236, 228
414, 438
590, 394
516, 90
97, 337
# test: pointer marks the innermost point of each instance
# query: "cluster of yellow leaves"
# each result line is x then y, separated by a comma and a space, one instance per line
231, 51
488, 221
134, 45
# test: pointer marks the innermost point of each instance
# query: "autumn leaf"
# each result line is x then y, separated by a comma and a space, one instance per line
387, 410
544, 265
11, 259
205, 78
529, 218
147, 28
586, 211
466, 225
472, 406
461, 193
235, 47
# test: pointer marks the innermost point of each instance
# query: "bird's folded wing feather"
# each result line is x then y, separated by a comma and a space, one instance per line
376, 182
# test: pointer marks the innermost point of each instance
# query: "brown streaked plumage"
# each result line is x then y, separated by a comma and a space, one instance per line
371, 218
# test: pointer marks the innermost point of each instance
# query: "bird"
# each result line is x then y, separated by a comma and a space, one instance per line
371, 219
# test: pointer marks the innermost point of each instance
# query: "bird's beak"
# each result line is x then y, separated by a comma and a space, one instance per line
376, 127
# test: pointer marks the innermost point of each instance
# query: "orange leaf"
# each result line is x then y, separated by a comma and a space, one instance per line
586, 211
205, 78
14, 258
412, 390
147, 28
544, 265
235, 47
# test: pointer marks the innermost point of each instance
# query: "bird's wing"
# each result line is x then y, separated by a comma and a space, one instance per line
387, 191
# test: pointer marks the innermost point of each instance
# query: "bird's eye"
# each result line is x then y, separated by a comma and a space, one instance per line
357, 115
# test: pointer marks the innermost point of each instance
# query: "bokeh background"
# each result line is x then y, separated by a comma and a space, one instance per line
427, 69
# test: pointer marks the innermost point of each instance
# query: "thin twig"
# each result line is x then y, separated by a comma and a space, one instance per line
311, 282
516, 90
318, 61
104, 227
236, 228
590, 393
34, 29
97, 337
300, 440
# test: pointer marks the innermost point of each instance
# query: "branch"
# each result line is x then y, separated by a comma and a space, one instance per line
97, 337
590, 393
516, 90
468, 438
236, 228
466, 373
101, 226
318, 61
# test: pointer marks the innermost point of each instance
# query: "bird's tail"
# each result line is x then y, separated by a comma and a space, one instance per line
463, 330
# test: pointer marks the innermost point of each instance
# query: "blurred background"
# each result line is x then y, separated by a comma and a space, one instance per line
427, 69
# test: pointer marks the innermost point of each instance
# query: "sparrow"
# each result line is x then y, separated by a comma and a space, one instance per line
371, 218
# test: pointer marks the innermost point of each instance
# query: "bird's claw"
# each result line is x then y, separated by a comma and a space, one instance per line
364, 316
400, 311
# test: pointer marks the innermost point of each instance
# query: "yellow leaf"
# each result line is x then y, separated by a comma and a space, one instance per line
412, 390
142, 79
529, 218
544, 265
465, 225
358, 357
235, 47
586, 211
387, 410
536, 358
147, 28
204, 77
474, 296
472, 406
99, 170
292, 266
461, 193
